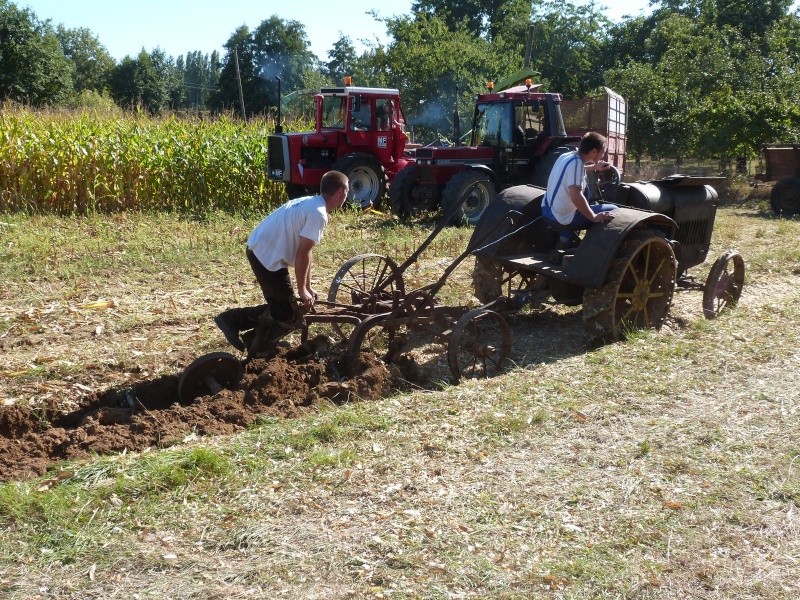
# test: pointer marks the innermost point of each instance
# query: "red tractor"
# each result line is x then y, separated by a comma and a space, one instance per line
517, 135
355, 133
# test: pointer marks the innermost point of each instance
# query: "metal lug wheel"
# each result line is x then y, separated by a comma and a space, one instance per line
723, 285
209, 374
369, 282
638, 290
479, 345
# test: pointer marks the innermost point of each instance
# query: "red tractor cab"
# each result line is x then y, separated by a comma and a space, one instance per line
359, 131
517, 135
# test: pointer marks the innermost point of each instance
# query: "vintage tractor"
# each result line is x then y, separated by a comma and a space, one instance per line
624, 272
517, 135
783, 167
354, 134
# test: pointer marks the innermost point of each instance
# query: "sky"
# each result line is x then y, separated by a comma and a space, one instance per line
181, 26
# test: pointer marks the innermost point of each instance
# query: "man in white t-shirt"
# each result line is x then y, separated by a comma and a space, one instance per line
285, 238
565, 202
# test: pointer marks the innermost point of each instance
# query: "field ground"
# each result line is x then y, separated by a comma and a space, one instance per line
662, 467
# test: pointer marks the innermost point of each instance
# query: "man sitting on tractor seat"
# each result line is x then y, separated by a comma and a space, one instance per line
565, 203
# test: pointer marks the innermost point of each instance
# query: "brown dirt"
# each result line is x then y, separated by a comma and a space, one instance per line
148, 413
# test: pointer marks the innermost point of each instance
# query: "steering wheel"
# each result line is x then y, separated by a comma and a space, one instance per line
606, 184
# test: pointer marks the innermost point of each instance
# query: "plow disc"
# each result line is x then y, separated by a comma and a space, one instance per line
209, 374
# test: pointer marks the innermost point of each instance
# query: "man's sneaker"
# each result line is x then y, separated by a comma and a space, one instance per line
228, 325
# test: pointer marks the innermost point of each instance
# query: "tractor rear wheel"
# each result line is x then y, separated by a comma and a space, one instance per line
367, 180
294, 190
409, 197
638, 290
785, 197
481, 194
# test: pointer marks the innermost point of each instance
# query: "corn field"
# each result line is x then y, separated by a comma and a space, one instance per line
81, 163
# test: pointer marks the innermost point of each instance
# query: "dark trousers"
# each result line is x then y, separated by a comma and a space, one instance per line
277, 289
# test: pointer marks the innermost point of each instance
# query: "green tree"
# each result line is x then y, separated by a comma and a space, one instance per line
567, 44
342, 59
200, 73
438, 70
144, 82
485, 18
276, 48
92, 65
33, 68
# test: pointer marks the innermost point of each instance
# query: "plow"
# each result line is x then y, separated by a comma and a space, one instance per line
368, 308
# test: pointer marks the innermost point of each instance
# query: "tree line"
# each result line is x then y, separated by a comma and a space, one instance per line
703, 78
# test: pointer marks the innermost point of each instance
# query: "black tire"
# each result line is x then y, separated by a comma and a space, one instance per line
294, 190
723, 285
409, 197
472, 208
638, 290
367, 180
785, 197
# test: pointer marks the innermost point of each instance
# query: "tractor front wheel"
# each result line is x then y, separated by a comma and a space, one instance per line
723, 285
480, 192
638, 290
409, 197
367, 180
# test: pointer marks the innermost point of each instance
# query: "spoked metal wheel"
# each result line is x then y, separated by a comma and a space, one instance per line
638, 290
479, 345
370, 283
723, 285
490, 281
209, 374
371, 335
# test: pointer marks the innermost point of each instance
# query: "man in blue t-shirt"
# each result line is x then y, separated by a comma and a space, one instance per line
285, 238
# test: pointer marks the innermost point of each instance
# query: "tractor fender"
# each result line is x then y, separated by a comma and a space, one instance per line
488, 172
602, 240
515, 208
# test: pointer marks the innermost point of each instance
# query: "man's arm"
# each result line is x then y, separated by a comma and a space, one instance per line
302, 271
582, 206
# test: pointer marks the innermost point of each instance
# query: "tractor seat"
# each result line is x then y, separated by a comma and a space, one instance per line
570, 231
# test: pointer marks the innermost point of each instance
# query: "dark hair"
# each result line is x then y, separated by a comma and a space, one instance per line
591, 141
332, 182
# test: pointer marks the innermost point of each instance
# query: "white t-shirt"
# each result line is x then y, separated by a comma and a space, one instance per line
275, 240
568, 170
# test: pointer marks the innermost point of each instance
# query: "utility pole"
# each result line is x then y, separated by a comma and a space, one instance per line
239, 80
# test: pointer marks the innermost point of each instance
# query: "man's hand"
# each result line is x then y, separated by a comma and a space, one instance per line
308, 297
603, 217
601, 165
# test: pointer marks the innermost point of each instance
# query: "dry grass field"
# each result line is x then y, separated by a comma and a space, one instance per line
665, 466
